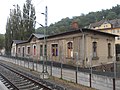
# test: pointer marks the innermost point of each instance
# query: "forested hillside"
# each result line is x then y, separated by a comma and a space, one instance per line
83, 20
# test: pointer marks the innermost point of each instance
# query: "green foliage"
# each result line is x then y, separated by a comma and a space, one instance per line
8, 36
20, 24
83, 20
58, 27
111, 15
28, 19
2, 40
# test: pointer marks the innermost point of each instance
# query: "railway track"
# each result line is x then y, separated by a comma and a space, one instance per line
15, 80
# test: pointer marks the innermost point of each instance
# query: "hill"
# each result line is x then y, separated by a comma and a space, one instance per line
83, 20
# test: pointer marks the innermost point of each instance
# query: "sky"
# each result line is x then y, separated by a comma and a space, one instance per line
57, 9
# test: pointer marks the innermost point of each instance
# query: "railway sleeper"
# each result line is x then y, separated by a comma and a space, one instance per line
18, 80
22, 84
34, 88
22, 81
27, 86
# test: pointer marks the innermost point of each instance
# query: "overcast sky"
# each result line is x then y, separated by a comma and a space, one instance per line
57, 9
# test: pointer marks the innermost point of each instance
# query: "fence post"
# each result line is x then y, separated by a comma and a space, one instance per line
37, 65
24, 61
33, 63
51, 67
90, 80
28, 62
113, 83
76, 73
61, 70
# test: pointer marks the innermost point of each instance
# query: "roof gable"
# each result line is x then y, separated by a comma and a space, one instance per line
37, 36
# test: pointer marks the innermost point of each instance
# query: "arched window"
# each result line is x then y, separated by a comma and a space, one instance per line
34, 50
28, 50
69, 49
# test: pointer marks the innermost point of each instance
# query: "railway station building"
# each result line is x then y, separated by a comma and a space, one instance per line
84, 47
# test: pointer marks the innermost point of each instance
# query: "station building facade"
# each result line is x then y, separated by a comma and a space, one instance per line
83, 47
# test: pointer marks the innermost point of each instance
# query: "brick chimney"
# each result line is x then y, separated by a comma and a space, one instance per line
75, 25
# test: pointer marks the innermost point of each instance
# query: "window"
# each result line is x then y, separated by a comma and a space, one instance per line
34, 50
118, 38
23, 51
117, 31
28, 50
13, 51
41, 50
109, 49
18, 50
94, 49
113, 31
54, 49
69, 49
45, 50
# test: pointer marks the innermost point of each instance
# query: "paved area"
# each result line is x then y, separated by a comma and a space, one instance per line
68, 85
2, 86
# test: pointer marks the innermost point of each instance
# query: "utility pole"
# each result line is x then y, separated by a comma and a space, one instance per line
45, 72
46, 37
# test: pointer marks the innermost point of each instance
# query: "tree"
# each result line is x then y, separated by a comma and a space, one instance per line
116, 9
111, 15
15, 20
28, 19
8, 37
2, 40
12, 28
20, 26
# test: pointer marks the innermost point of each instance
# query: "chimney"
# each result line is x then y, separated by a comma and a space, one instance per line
75, 25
